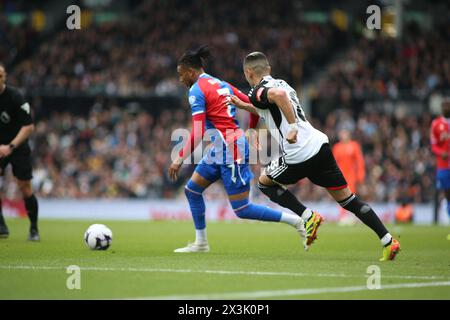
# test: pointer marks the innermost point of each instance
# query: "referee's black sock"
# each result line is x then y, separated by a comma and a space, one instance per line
31, 205
365, 213
283, 197
2, 220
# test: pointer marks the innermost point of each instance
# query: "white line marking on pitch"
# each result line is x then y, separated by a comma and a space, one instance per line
290, 292
224, 272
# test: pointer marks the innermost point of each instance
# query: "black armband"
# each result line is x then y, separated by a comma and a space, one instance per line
259, 97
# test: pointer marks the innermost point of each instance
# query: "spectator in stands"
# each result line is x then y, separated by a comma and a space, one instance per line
404, 213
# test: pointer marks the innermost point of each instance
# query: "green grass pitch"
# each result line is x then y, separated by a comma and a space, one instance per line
247, 261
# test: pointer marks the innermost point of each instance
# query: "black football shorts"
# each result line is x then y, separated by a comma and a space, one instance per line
20, 161
321, 169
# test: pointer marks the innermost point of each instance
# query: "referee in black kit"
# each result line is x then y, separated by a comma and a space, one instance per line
16, 125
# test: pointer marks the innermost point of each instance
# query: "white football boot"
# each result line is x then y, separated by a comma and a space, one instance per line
194, 247
300, 227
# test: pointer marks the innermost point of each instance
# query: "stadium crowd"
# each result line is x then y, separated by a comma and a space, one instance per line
113, 152
16, 41
385, 68
136, 56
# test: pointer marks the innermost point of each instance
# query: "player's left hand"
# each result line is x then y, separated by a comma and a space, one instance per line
236, 101
5, 151
173, 171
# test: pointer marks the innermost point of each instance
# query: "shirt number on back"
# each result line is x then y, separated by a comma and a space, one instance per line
225, 92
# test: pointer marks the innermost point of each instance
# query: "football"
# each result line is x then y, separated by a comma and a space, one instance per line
98, 237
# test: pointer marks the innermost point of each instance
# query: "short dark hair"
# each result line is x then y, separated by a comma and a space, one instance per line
257, 61
195, 58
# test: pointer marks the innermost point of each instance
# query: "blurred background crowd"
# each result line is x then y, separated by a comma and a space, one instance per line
114, 152
382, 87
137, 55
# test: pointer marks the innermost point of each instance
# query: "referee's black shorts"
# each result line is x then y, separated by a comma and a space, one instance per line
21, 163
321, 169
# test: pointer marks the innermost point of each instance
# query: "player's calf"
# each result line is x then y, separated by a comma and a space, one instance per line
244, 209
247, 210
4, 232
366, 214
32, 207
194, 195
282, 196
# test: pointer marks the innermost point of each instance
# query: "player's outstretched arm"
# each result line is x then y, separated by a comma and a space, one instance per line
281, 99
234, 100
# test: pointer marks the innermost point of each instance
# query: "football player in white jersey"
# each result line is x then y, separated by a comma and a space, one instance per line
306, 153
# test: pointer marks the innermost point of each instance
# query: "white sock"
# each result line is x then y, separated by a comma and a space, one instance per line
289, 218
386, 239
306, 214
200, 236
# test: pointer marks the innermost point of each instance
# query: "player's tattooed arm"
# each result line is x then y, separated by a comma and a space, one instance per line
280, 98
242, 105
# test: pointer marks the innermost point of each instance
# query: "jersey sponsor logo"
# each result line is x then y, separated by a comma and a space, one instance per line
191, 100
223, 91
4, 117
25, 107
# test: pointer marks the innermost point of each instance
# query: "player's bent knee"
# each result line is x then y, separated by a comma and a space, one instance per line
194, 196
193, 190
199, 180
189, 193
271, 191
241, 208
265, 180
267, 190
25, 188
340, 194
